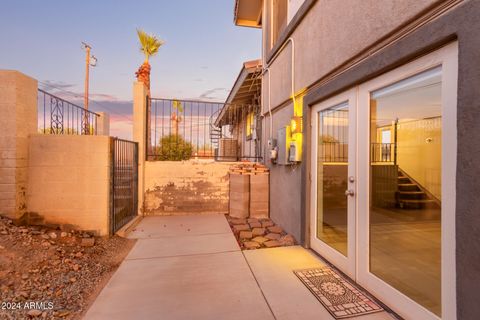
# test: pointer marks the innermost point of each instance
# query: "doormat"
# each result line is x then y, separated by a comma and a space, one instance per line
336, 294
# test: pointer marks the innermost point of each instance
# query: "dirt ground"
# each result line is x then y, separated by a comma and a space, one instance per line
49, 274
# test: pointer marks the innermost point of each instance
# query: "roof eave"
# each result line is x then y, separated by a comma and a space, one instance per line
253, 20
247, 68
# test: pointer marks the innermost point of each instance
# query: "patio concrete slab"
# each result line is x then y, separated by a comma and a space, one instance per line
287, 296
183, 245
210, 286
190, 267
182, 267
174, 226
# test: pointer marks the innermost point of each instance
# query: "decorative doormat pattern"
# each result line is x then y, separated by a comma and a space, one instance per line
337, 295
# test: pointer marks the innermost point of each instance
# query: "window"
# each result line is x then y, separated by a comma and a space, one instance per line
250, 126
279, 19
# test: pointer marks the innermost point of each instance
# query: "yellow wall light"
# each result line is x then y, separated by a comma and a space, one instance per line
296, 124
298, 103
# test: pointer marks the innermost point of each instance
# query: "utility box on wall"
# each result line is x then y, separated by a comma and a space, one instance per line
284, 138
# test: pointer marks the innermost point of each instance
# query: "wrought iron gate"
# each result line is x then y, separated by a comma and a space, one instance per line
124, 187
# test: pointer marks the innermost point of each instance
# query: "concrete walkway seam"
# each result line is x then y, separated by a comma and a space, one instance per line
258, 285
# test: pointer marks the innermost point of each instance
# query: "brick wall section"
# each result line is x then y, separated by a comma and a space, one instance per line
18, 110
181, 187
69, 181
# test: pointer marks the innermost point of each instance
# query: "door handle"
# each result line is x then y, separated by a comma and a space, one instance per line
349, 192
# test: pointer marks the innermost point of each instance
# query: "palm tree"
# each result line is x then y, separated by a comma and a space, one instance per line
176, 117
149, 45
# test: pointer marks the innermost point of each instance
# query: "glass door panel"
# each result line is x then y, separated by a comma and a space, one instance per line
405, 187
333, 166
332, 177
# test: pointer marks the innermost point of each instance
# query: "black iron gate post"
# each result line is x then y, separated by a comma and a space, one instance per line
124, 183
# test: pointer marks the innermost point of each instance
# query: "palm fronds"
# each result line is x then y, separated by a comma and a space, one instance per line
177, 105
149, 43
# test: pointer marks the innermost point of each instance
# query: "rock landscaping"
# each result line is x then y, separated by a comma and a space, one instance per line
255, 233
53, 274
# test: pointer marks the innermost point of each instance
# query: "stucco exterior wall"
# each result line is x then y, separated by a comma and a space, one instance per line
285, 181
69, 181
331, 33
181, 187
293, 6
18, 110
246, 147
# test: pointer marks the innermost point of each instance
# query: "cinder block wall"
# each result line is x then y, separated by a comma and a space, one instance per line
182, 187
18, 119
69, 181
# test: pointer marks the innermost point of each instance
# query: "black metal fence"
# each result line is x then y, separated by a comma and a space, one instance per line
124, 187
333, 152
58, 116
185, 129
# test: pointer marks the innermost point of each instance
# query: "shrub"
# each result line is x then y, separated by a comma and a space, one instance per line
173, 148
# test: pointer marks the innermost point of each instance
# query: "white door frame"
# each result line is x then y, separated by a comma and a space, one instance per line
447, 57
345, 264
356, 265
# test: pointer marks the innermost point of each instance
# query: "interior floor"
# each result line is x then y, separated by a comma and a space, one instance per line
405, 249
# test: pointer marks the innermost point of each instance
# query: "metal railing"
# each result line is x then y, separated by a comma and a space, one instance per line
58, 116
124, 182
383, 152
333, 152
185, 129
338, 152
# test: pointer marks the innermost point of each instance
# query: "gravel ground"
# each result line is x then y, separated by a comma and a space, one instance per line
49, 274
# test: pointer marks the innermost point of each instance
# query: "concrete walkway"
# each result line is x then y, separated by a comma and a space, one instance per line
190, 267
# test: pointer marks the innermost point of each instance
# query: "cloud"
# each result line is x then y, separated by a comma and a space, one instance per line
210, 94
64, 91
103, 96
58, 85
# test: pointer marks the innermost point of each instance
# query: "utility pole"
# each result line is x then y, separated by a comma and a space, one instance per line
89, 61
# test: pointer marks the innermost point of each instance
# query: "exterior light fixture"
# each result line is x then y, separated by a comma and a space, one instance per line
296, 124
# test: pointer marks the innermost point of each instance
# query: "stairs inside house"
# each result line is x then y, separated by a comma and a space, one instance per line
410, 195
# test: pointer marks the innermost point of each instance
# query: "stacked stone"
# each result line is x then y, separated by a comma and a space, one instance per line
255, 233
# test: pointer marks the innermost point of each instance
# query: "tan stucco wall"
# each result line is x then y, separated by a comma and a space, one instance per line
69, 180
179, 187
18, 119
103, 124
139, 129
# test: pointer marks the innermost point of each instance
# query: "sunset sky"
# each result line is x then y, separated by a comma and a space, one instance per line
201, 58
